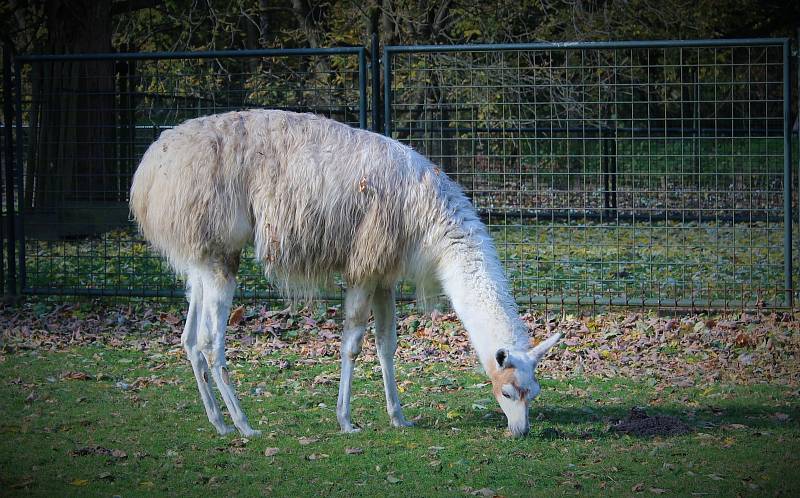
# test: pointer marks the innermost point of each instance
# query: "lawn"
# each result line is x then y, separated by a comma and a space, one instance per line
98, 400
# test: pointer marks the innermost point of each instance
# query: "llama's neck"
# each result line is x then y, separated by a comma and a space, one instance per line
473, 279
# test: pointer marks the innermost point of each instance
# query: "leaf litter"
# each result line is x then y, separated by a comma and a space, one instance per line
685, 350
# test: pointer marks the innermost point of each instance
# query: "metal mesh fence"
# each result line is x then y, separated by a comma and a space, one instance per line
87, 120
617, 173
635, 173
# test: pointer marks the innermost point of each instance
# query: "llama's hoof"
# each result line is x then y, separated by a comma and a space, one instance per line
350, 429
225, 429
248, 432
402, 423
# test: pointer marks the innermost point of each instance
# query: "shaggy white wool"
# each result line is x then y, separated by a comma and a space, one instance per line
316, 198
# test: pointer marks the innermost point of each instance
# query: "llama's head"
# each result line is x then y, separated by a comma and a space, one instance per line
514, 383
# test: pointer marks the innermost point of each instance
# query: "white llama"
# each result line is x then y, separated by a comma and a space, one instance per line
318, 197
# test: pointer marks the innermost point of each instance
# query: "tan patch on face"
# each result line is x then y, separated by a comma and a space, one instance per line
502, 377
505, 376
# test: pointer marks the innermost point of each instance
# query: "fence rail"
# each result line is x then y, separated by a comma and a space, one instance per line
655, 174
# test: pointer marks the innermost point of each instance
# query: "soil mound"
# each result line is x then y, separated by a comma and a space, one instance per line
639, 423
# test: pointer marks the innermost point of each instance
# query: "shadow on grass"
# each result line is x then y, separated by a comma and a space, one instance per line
580, 423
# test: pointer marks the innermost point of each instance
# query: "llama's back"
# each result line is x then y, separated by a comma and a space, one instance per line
317, 197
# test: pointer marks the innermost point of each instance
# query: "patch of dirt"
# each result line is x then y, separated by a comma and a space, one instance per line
639, 423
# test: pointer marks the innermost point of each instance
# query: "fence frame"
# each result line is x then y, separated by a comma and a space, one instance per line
16, 270
785, 43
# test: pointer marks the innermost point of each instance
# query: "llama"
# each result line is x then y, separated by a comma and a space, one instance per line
317, 197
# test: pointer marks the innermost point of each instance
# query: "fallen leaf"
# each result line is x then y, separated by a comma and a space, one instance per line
79, 482
393, 479
305, 441
237, 316
657, 491
483, 492
638, 488
734, 427
239, 442
354, 451
119, 454
270, 452
316, 456
75, 376
781, 417
715, 477
170, 318
23, 483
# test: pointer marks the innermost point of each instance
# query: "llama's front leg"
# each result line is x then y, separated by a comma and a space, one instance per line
200, 368
218, 289
386, 340
356, 311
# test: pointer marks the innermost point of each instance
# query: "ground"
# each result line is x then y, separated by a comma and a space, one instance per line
98, 400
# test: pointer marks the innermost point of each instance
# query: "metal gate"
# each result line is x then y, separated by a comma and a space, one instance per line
624, 173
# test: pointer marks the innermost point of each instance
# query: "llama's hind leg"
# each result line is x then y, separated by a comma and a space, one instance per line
386, 341
189, 340
219, 284
356, 310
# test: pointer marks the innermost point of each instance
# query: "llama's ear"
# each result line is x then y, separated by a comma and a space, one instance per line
502, 358
537, 353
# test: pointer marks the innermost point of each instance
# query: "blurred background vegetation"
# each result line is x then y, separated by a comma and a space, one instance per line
74, 26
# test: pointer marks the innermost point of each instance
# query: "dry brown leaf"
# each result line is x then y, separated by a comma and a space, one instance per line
170, 318
354, 451
76, 376
237, 316
270, 452
305, 441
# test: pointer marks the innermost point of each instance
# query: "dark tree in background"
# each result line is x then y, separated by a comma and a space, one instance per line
73, 110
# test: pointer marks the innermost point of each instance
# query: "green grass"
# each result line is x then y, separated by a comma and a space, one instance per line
738, 444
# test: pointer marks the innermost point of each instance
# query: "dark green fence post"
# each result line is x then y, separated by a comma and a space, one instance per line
387, 92
17, 215
362, 88
9, 278
787, 171
375, 74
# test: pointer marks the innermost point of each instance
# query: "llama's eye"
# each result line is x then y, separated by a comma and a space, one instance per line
506, 395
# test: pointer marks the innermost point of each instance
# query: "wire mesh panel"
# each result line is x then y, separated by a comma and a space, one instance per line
89, 119
619, 173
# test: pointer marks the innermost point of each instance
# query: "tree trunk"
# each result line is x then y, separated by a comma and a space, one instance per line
74, 105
